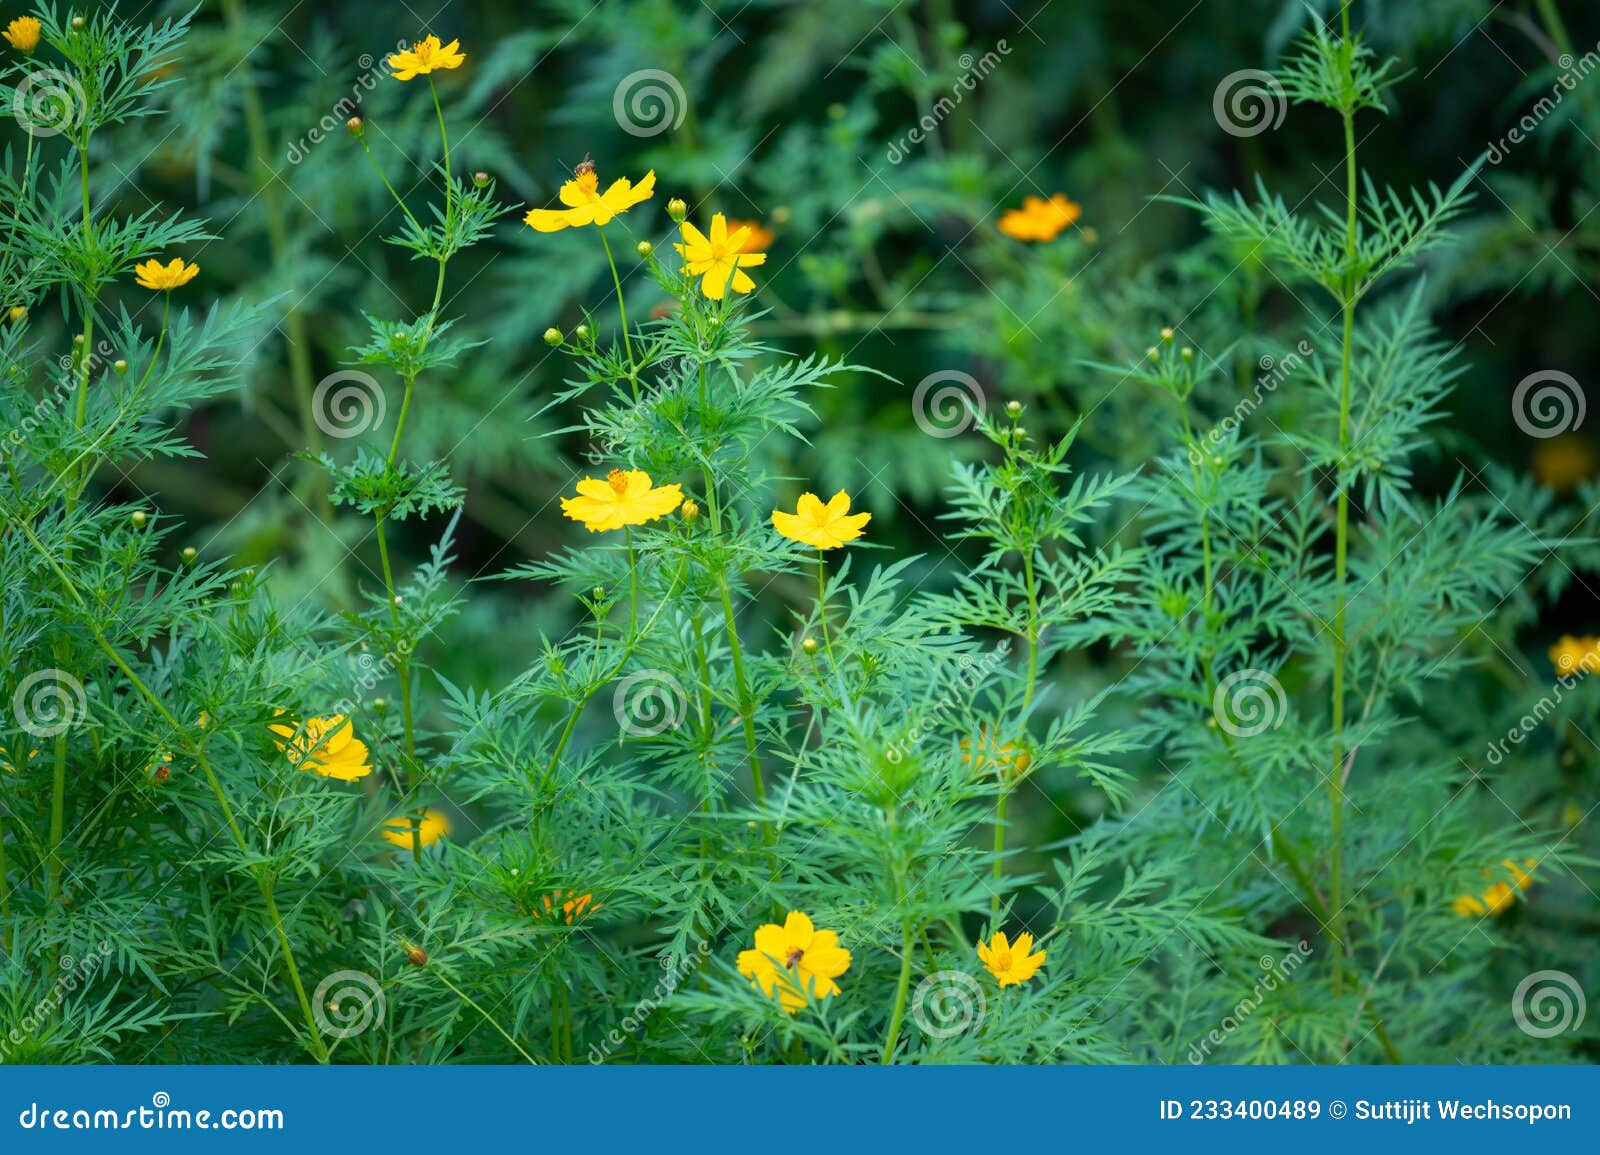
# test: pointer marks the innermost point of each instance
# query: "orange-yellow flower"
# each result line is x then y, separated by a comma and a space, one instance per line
1009, 758
796, 961
1010, 962
432, 826
625, 497
152, 274
23, 33
719, 260
328, 746
587, 205
758, 239
1575, 655
573, 908
426, 56
823, 526
1500, 895
1039, 219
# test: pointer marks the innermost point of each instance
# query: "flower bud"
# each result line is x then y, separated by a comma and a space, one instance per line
189, 554
415, 955
581, 332
163, 773
1186, 353
77, 23
480, 179
1153, 353
1022, 434
356, 126
677, 210
781, 215
690, 510
77, 340
1013, 409
1166, 336
645, 248
552, 337
119, 366
598, 593
380, 705
809, 645
19, 313
137, 518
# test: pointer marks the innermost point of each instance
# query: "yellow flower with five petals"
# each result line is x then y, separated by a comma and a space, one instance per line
720, 258
1010, 962
625, 497
426, 56
587, 205
822, 526
795, 961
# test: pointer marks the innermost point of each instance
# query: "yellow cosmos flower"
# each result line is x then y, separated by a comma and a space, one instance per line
1039, 219
796, 961
569, 911
426, 56
152, 274
1561, 463
327, 746
23, 33
719, 260
1575, 655
432, 826
1010, 962
623, 498
823, 526
1500, 896
587, 205
758, 239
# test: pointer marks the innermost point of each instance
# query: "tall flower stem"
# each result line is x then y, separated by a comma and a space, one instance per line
730, 623
1030, 686
622, 310
907, 947
485, 1015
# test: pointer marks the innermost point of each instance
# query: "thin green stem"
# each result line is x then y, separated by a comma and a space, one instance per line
622, 309
402, 662
485, 1015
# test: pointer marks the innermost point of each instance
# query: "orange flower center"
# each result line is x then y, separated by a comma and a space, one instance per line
618, 481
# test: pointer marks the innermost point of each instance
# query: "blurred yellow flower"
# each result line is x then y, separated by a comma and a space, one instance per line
587, 205
1560, 463
1010, 758
152, 274
719, 260
796, 961
1010, 962
23, 33
1575, 655
1039, 219
1500, 896
823, 526
5, 763
432, 826
426, 56
623, 498
327, 746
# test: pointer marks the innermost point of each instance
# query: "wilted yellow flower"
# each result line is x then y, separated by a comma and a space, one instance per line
432, 826
823, 526
625, 497
426, 56
1039, 219
1500, 896
152, 274
720, 258
5, 760
1575, 655
1010, 962
570, 906
1560, 463
327, 746
587, 205
23, 33
796, 961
